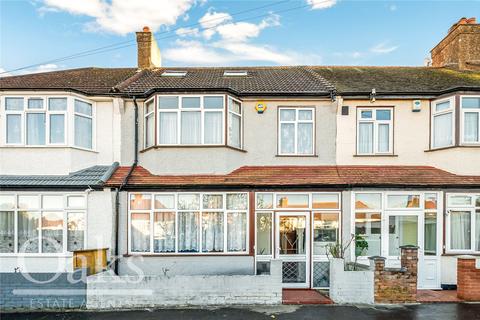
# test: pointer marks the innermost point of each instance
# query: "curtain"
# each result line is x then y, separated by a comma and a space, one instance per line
83, 108
14, 104
471, 127
191, 128
168, 128
28, 227
188, 225
234, 130
52, 232
304, 138
6, 231
36, 128
57, 104
213, 127
442, 130
83, 132
236, 231
14, 127
75, 231
212, 231
35, 103
383, 137
460, 228
365, 138
164, 232
57, 128
140, 232
150, 130
287, 133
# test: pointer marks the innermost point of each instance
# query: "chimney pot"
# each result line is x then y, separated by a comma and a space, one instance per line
146, 29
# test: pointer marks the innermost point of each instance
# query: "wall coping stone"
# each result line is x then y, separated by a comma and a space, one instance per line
409, 246
375, 258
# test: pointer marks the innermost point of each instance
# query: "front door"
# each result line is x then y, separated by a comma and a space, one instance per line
292, 247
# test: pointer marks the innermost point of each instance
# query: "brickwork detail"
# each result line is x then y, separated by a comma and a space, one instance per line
468, 279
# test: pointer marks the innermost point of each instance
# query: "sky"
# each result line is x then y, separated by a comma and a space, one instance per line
43, 35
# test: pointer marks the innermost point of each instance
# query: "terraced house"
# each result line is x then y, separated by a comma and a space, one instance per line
213, 170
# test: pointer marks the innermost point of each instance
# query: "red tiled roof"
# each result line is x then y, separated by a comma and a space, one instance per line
302, 176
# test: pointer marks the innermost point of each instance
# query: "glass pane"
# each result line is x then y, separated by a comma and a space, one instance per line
477, 230
28, 202
57, 104
402, 231
36, 128
305, 138
237, 232
287, 138
366, 114
442, 106
321, 274
188, 231
365, 138
52, 202
325, 231
384, 115
191, 128
264, 234
460, 230
28, 228
234, 106
76, 231
368, 201
292, 235
14, 128
164, 232
237, 201
7, 202
459, 200
287, 115
168, 128
471, 129
188, 201
7, 231
140, 232
263, 267
149, 106
471, 103
368, 226
264, 200
400, 201
292, 200
383, 138
305, 115
213, 127
294, 272
430, 201
234, 130
442, 130
52, 232
165, 201
57, 128
213, 102
191, 102
83, 108
140, 201
430, 233
149, 130
325, 201
168, 102
35, 103
477, 202
212, 201
212, 232
14, 104
76, 201
83, 132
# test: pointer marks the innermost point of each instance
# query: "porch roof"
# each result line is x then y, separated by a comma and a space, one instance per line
295, 176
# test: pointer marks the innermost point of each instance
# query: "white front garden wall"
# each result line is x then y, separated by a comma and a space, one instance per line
350, 286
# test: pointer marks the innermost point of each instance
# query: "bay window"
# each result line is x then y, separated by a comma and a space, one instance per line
443, 123
188, 223
296, 134
470, 113
41, 223
374, 131
463, 222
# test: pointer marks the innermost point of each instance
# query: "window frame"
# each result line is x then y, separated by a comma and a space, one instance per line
227, 122
145, 116
462, 121
295, 122
376, 124
92, 117
435, 113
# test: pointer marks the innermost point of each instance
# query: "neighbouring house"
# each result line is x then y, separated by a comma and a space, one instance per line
219, 170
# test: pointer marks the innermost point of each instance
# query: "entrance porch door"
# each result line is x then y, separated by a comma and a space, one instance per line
292, 247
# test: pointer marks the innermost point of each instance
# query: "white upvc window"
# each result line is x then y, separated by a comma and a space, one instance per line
374, 131
470, 119
296, 131
463, 223
149, 122
443, 123
42, 223
188, 223
235, 128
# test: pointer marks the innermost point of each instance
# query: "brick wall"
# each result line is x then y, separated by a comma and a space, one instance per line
396, 285
468, 278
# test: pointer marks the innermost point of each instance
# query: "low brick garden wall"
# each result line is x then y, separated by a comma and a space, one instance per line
468, 278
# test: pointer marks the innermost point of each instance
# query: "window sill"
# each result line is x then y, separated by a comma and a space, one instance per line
46, 147
456, 254
190, 146
37, 255
374, 155
296, 156
159, 255
454, 147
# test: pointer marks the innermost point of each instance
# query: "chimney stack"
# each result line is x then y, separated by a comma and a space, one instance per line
460, 49
148, 53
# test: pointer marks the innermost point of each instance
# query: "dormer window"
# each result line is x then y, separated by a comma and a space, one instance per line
172, 73
235, 73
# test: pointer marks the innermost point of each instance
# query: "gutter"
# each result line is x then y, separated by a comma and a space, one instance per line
124, 183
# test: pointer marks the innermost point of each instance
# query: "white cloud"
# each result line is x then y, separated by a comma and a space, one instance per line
44, 68
321, 4
242, 31
3, 73
383, 48
184, 32
211, 20
122, 17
